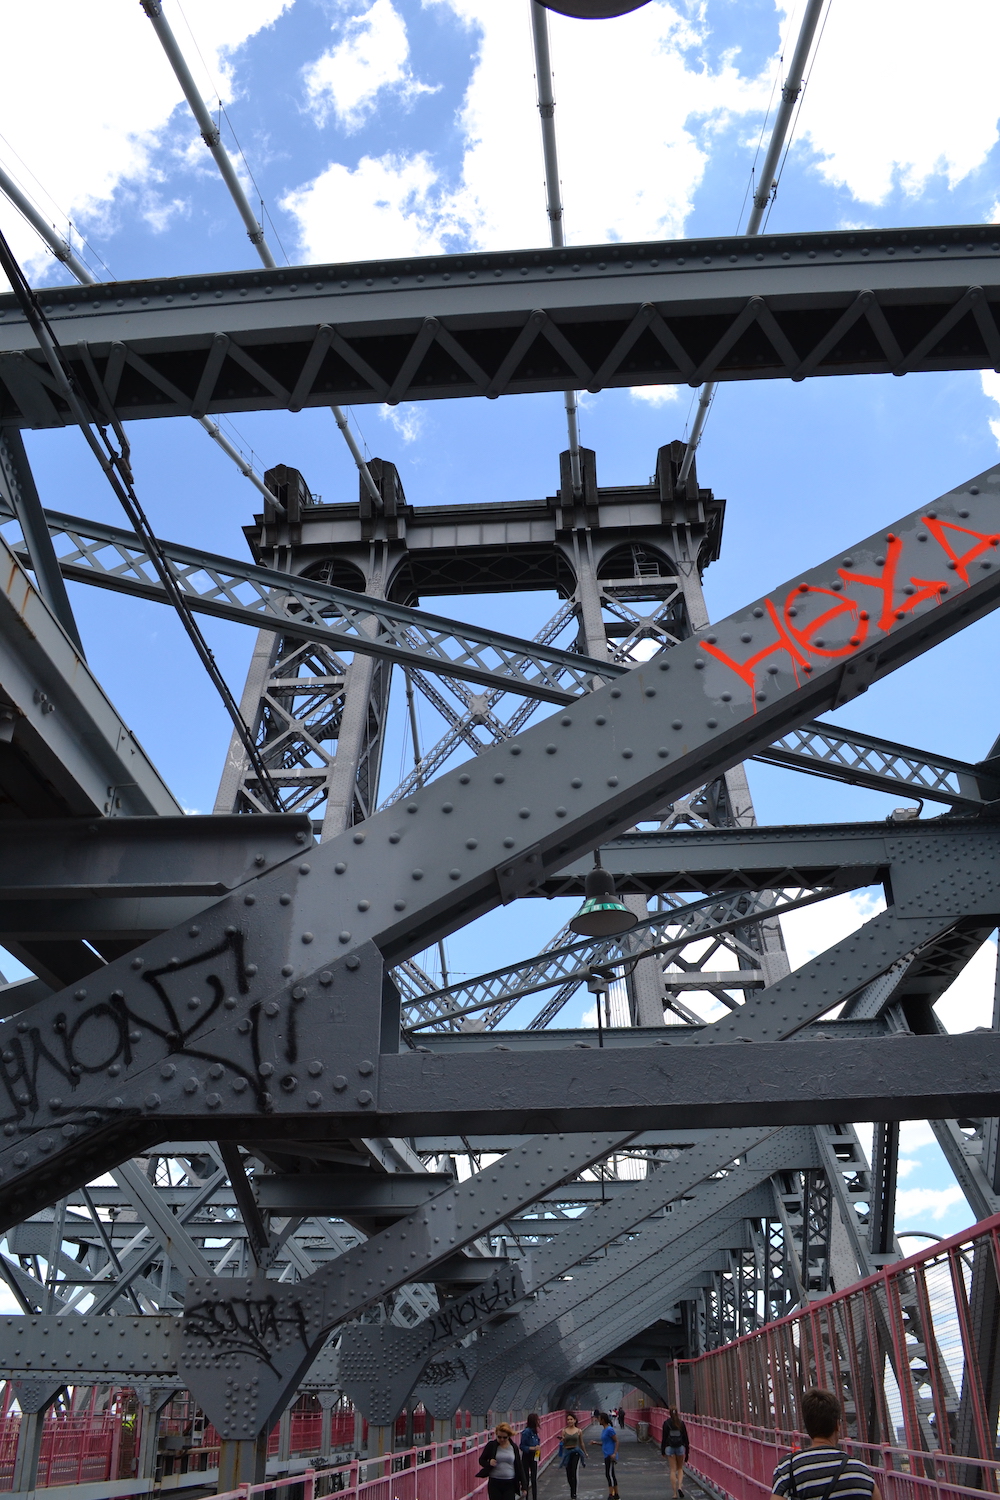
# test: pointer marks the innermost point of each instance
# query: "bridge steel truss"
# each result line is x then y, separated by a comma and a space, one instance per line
228, 1017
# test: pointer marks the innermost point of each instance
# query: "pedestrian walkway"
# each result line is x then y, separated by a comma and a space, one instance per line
642, 1473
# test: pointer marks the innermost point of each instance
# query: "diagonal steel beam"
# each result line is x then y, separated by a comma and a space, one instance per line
866, 760
92, 552
112, 558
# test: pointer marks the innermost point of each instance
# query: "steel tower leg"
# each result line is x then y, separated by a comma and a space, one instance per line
242, 1461
298, 698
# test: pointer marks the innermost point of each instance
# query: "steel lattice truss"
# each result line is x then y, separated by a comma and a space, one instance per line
590, 317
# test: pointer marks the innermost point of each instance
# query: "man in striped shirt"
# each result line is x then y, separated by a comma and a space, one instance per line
822, 1471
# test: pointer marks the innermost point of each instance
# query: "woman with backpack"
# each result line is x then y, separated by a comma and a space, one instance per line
675, 1447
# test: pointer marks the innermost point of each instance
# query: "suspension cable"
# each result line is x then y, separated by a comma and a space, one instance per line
553, 201
118, 472
790, 92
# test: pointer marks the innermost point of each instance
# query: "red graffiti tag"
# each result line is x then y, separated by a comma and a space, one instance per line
797, 641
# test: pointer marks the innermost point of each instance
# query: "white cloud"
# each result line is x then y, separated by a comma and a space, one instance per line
387, 206
625, 173
117, 93
407, 420
927, 1203
991, 389
624, 176
915, 1133
816, 928
371, 56
898, 94
906, 1166
654, 395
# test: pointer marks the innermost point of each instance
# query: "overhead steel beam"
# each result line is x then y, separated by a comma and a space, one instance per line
306, 946
68, 858
836, 856
663, 313
74, 753
289, 605
273, 1333
689, 1226
388, 1351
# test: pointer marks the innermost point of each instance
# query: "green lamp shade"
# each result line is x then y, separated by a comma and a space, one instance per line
602, 914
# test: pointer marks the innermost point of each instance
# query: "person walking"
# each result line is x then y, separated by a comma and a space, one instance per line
530, 1445
822, 1470
621, 1416
500, 1463
609, 1447
675, 1447
571, 1451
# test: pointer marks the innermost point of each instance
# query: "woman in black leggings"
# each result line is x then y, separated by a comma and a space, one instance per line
572, 1442
609, 1446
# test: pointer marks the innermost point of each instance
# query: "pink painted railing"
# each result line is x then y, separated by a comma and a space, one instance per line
432, 1471
738, 1461
75, 1449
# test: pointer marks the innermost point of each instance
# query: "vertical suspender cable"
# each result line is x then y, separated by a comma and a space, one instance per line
63, 252
210, 135
553, 202
340, 418
60, 248
209, 130
765, 189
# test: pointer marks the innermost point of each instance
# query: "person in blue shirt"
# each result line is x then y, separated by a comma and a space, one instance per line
531, 1447
609, 1447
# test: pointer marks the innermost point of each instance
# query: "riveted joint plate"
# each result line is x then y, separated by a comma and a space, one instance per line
953, 875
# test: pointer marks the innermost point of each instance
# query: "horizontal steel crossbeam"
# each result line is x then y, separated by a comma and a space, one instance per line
838, 856
675, 312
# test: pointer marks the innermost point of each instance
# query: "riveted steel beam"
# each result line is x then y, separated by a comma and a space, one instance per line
269, 1335
835, 856
88, 1350
665, 313
68, 858
692, 1223
72, 751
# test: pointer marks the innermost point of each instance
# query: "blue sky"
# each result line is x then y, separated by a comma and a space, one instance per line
396, 127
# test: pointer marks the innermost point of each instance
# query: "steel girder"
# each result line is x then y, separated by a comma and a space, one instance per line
566, 1309
867, 760
259, 1338
393, 1360
674, 312
77, 1349
834, 856
235, 991
59, 720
